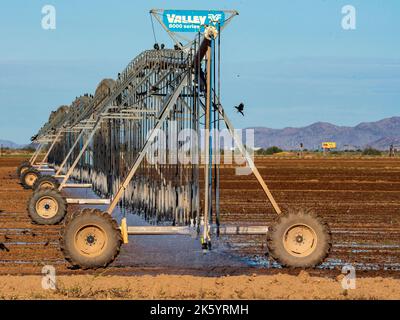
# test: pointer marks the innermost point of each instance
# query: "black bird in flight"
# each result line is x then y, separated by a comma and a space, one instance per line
240, 108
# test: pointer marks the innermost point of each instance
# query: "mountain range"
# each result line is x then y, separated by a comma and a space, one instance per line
10, 144
380, 135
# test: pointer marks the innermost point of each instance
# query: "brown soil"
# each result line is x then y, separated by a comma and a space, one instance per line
280, 286
359, 199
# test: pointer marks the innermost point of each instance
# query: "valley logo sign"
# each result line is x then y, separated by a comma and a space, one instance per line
192, 20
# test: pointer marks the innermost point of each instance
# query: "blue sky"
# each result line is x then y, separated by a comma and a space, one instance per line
289, 61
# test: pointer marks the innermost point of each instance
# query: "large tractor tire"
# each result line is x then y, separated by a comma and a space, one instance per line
91, 239
23, 167
299, 239
29, 177
47, 207
46, 182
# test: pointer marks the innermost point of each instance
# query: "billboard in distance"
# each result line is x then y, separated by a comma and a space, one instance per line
328, 145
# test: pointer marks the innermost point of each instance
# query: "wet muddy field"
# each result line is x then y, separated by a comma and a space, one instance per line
359, 198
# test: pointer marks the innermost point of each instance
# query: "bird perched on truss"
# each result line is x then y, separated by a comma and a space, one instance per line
155, 89
178, 47
240, 108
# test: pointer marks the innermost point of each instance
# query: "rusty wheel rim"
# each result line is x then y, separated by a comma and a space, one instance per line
30, 179
47, 207
90, 240
300, 240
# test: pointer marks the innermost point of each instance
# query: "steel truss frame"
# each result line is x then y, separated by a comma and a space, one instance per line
169, 83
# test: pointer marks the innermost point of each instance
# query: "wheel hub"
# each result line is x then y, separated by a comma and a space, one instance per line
47, 207
90, 240
300, 240
30, 179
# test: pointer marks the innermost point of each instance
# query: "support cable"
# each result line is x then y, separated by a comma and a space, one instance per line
152, 27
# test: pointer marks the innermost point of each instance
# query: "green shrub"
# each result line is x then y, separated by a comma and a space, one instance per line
371, 152
270, 151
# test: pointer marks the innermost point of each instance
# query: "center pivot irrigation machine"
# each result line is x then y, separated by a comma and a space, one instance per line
101, 142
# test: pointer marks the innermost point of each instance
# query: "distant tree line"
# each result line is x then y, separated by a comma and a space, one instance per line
368, 151
269, 151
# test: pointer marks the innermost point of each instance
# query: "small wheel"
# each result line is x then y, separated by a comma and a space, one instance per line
23, 167
29, 177
91, 239
47, 207
299, 239
46, 182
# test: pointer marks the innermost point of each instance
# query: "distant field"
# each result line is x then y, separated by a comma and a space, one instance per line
16, 155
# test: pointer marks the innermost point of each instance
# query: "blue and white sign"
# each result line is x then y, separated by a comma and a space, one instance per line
192, 20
